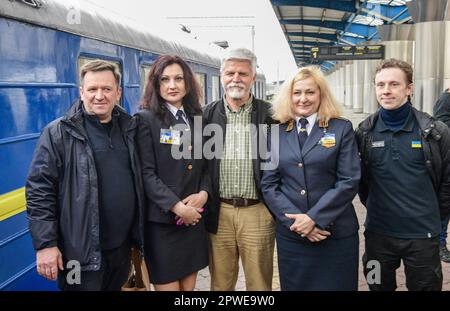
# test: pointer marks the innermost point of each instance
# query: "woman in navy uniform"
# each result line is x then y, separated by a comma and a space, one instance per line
176, 184
311, 186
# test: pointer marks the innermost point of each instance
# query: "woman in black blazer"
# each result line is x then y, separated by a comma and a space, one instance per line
175, 183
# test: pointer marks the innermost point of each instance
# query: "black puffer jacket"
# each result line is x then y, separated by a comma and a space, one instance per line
436, 150
62, 190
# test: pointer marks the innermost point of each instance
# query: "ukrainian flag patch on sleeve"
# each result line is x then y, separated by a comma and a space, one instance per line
416, 144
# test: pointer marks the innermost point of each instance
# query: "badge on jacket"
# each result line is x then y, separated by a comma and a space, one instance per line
378, 144
170, 137
416, 144
328, 140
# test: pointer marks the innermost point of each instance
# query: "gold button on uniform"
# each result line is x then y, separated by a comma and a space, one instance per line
189, 167
303, 192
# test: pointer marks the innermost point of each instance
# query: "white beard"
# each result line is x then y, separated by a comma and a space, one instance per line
236, 92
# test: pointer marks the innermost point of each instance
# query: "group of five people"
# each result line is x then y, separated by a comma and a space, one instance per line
193, 186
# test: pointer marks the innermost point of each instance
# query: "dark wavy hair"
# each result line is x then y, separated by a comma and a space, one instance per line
152, 99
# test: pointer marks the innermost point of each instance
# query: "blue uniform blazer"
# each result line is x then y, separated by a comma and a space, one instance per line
321, 180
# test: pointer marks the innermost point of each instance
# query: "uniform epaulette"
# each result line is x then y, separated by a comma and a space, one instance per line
290, 126
342, 118
323, 123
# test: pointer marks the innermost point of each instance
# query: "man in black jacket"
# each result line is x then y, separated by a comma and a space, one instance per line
83, 189
405, 181
239, 222
441, 111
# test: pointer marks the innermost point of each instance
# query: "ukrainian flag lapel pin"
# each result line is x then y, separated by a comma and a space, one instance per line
416, 144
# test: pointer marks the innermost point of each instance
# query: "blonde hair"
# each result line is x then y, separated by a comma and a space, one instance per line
282, 107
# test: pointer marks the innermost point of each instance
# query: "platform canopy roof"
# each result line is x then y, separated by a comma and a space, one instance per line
309, 23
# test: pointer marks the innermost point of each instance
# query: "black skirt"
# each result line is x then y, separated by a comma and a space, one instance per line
329, 265
173, 252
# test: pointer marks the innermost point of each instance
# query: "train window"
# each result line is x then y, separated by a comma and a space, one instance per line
201, 78
83, 60
145, 70
215, 88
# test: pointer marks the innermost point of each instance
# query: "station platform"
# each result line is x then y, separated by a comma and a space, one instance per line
203, 279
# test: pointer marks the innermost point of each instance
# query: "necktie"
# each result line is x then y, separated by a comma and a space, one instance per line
179, 116
303, 133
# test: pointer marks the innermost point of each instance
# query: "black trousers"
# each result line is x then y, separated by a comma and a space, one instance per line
113, 273
420, 257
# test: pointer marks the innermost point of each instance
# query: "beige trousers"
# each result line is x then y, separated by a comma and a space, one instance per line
246, 232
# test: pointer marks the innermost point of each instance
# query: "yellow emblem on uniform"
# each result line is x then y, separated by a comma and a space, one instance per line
170, 136
328, 140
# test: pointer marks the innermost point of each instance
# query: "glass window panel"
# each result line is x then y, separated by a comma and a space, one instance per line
201, 78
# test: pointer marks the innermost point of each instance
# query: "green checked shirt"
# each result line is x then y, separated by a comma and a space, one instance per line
236, 170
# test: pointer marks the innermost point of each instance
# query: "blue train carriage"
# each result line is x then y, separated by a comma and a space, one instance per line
40, 53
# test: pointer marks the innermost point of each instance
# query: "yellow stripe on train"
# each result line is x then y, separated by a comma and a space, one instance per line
12, 203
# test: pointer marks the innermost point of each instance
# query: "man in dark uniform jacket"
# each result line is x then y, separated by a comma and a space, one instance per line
239, 222
84, 188
405, 183
441, 111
